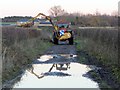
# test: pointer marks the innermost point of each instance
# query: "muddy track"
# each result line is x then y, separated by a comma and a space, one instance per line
62, 49
62, 54
65, 55
59, 54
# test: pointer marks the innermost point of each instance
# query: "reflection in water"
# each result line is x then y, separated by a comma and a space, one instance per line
56, 74
48, 75
75, 80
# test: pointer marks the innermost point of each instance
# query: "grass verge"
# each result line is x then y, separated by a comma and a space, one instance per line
99, 47
20, 47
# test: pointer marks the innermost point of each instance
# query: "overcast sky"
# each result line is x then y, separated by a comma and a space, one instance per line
33, 7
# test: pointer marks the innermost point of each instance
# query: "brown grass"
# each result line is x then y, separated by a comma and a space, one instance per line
103, 44
20, 46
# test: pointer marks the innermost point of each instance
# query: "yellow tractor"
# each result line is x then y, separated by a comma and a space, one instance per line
61, 31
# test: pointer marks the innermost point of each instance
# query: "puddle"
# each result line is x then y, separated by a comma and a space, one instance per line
56, 75
55, 58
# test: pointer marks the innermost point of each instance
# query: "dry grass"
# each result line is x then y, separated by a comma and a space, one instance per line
20, 46
102, 43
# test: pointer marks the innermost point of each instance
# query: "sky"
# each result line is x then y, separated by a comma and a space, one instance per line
33, 7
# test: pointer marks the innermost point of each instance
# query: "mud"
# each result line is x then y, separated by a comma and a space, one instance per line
102, 74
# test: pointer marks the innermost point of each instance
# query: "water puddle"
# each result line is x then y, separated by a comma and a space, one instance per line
46, 74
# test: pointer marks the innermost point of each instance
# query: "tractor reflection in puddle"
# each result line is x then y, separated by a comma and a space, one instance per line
57, 62
58, 66
63, 66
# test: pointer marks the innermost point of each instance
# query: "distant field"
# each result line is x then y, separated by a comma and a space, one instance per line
14, 23
108, 28
7, 23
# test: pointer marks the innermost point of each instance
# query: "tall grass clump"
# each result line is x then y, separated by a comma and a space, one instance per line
103, 44
20, 46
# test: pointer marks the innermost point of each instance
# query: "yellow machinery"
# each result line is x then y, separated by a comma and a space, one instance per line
30, 22
61, 30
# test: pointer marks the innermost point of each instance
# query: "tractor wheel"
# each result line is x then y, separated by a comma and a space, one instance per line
71, 41
55, 40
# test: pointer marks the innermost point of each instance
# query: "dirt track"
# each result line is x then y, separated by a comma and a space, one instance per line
58, 54
62, 49
62, 54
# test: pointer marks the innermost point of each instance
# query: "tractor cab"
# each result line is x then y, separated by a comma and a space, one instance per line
64, 33
64, 66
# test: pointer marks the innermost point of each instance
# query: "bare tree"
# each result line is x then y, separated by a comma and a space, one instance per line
56, 11
97, 13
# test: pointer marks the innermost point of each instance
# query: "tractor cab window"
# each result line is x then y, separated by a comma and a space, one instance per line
63, 25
